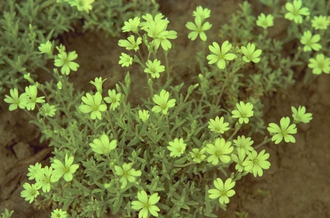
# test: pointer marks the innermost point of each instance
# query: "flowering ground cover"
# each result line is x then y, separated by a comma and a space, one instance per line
292, 187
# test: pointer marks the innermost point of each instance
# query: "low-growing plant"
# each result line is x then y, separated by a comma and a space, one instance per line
27, 24
170, 156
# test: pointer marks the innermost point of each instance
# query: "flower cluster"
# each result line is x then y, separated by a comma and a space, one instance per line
44, 177
27, 100
198, 28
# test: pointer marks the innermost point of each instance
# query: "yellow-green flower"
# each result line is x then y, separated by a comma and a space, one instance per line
202, 13
218, 125
177, 147
93, 103
30, 99
250, 54
83, 5
319, 64
220, 56
198, 29
59, 213
44, 178
223, 191
67, 169
130, 43
295, 11
265, 21
198, 155
125, 60
244, 145
30, 192
113, 99
239, 160
127, 173
310, 41
154, 68
283, 131
243, 112
132, 25
255, 163
14, 100
47, 110
103, 145
98, 82
146, 205
300, 115
66, 62
34, 171
320, 22
220, 150
46, 48
144, 115
163, 102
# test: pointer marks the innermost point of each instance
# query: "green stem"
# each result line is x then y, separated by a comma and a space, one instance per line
237, 129
222, 89
166, 65
262, 143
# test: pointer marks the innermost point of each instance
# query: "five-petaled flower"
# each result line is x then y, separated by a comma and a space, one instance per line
14, 100
202, 13
67, 169
198, 155
125, 60
113, 99
44, 178
320, 22
310, 41
146, 205
250, 54
220, 150
255, 163
163, 102
93, 103
244, 145
47, 110
177, 147
132, 25
300, 115
127, 173
103, 145
243, 112
218, 125
130, 43
223, 191
30, 192
83, 5
265, 21
154, 68
34, 171
220, 56
198, 29
66, 62
59, 213
295, 11
319, 64
283, 131
29, 97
